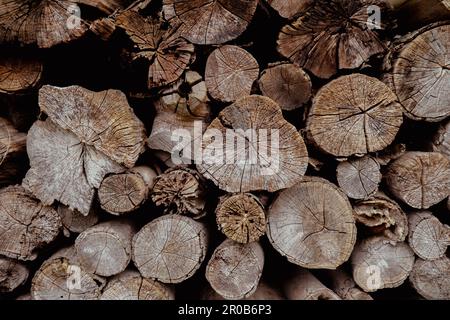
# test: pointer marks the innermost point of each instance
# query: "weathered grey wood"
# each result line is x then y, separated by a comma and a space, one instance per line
74, 221
345, 287
302, 285
431, 279
13, 274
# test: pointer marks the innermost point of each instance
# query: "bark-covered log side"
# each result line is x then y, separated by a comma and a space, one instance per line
303, 285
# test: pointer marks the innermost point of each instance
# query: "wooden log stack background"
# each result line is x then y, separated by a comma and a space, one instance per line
94, 205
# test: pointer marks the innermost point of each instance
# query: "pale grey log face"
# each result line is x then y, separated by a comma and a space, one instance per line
431, 279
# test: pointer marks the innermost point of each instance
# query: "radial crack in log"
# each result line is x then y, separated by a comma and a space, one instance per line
331, 36
382, 216
354, 114
180, 191
26, 225
13, 274
61, 277
380, 263
130, 285
345, 287
235, 269
123, 193
421, 75
230, 73
169, 55
241, 217
170, 249
304, 286
290, 8
428, 237
43, 22
431, 279
286, 84
105, 249
312, 224
420, 179
74, 221
265, 152
86, 136
19, 74
210, 21
359, 178
181, 107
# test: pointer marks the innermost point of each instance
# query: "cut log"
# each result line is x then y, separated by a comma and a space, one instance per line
86, 136
345, 287
382, 216
312, 224
420, 179
12, 148
168, 54
180, 191
241, 217
380, 263
230, 73
428, 237
105, 249
103, 28
45, 23
210, 21
287, 85
180, 107
252, 126
354, 114
13, 274
62, 277
19, 74
170, 249
235, 269
74, 221
123, 193
106, 6
415, 13
421, 75
304, 286
329, 37
391, 153
441, 142
290, 8
359, 178
431, 279
26, 225
130, 285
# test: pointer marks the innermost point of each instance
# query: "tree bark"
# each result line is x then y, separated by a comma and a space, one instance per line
130, 285
287, 85
230, 73
180, 191
380, 263
431, 279
123, 193
354, 115
241, 217
359, 178
420, 179
170, 249
105, 249
345, 287
312, 224
13, 274
382, 216
428, 237
62, 277
304, 286
26, 225
235, 269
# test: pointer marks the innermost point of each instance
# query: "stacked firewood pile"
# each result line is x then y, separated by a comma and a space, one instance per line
119, 179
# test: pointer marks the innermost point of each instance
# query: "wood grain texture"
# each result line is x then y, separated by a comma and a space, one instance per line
354, 114
74, 221
312, 224
431, 279
18, 75
304, 286
290, 8
235, 269
13, 274
170, 249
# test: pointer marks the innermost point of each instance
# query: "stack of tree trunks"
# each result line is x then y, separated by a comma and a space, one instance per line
99, 201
